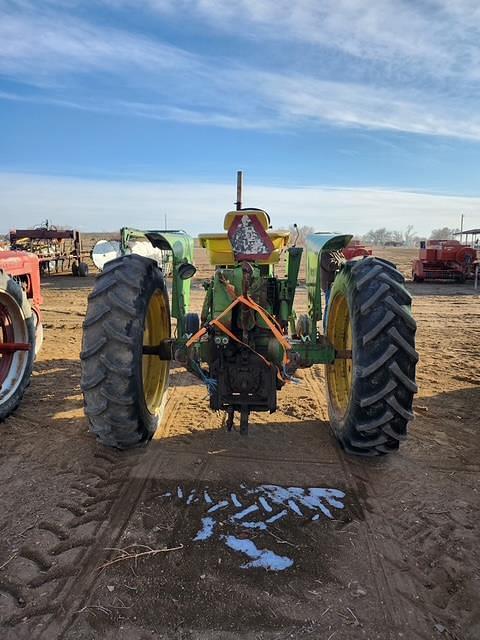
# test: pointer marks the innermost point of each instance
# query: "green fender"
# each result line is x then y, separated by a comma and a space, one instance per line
318, 243
180, 244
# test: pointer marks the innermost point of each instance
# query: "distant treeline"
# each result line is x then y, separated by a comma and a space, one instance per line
386, 237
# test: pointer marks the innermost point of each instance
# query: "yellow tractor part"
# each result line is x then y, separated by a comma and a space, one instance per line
220, 250
154, 370
340, 373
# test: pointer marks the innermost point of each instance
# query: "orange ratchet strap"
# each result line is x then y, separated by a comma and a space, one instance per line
269, 320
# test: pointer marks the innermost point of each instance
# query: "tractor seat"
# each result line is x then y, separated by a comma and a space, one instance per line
220, 250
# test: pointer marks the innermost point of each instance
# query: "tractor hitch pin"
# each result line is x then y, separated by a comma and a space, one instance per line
244, 421
244, 413
230, 415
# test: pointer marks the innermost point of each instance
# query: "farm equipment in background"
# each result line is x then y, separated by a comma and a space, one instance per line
21, 331
249, 342
58, 250
444, 260
356, 249
130, 242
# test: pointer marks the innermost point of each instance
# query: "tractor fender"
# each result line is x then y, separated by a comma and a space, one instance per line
180, 245
319, 245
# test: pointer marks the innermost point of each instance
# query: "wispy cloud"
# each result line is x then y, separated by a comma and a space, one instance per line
398, 82
439, 37
42, 45
109, 204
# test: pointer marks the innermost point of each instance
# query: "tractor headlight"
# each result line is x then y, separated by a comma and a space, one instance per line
186, 271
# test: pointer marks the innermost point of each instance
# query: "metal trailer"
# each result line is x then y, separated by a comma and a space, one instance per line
57, 250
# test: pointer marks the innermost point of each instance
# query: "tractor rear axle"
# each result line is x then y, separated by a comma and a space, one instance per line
12, 347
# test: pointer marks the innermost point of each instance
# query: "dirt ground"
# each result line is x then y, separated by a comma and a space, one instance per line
394, 555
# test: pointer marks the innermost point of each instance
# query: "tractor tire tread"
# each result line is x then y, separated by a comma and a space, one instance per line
383, 382
373, 333
95, 348
98, 315
14, 289
111, 352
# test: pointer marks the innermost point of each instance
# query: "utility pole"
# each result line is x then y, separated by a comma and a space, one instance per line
165, 216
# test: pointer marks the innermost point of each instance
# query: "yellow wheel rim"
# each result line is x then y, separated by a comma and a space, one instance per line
154, 370
340, 373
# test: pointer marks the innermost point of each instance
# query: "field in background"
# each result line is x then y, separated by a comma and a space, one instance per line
399, 560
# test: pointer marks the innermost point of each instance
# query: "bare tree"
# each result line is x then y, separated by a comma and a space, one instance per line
377, 236
409, 236
397, 237
302, 232
445, 233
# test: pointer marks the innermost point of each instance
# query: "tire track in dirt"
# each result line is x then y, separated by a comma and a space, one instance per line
52, 573
111, 520
50, 559
80, 587
396, 589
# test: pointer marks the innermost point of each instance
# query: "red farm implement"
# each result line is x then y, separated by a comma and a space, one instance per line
21, 330
58, 250
444, 260
356, 249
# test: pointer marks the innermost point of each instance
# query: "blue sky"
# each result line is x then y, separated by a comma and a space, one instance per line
344, 114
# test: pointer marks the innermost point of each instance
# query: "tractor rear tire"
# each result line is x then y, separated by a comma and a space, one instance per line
370, 396
124, 390
17, 324
192, 323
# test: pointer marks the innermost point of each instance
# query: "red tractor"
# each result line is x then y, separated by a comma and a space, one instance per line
21, 332
443, 260
356, 249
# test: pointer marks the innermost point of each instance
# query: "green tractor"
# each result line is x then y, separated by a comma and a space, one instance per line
248, 342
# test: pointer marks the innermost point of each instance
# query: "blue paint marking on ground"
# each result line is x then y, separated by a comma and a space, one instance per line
265, 504
219, 505
260, 558
245, 512
269, 504
277, 516
236, 502
208, 525
294, 507
313, 498
254, 525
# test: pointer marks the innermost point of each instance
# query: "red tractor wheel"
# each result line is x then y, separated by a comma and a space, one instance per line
17, 344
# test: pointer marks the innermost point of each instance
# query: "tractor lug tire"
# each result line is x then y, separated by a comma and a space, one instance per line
9, 287
112, 359
83, 269
382, 387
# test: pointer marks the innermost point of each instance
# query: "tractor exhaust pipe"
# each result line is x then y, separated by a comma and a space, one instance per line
238, 203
